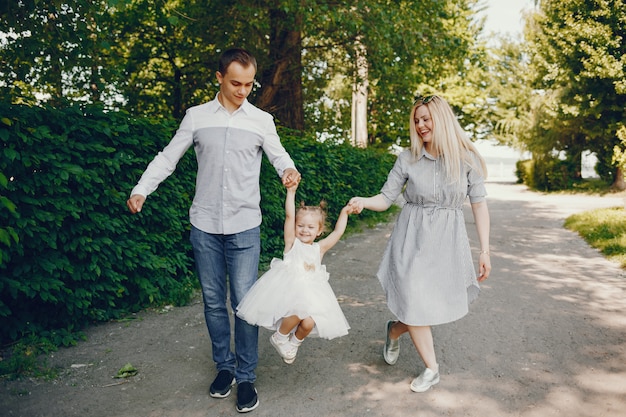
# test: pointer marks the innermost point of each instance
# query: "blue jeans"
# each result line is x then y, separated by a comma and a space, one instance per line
233, 260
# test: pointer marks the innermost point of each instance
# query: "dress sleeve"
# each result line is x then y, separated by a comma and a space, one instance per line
396, 179
475, 182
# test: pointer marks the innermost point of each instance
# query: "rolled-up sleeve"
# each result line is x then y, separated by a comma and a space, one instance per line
396, 179
476, 190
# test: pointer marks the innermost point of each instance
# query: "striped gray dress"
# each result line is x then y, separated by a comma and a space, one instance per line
427, 270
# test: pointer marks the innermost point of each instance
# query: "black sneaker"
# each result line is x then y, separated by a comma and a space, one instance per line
220, 388
247, 398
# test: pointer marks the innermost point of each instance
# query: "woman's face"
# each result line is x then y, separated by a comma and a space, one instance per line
423, 124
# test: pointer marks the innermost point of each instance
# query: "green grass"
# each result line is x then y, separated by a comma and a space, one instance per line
603, 229
27, 358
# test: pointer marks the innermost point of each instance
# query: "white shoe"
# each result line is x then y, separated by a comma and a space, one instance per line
292, 350
285, 348
427, 379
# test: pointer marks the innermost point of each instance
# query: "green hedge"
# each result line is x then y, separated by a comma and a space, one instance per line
80, 256
546, 173
71, 254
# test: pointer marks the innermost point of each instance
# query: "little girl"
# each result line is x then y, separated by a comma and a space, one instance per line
294, 297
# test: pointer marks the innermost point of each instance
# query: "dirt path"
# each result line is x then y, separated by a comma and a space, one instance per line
547, 337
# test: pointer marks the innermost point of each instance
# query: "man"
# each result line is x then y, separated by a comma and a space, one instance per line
228, 135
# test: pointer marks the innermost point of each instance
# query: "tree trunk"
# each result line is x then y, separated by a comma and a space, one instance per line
95, 86
281, 83
359, 97
618, 182
577, 159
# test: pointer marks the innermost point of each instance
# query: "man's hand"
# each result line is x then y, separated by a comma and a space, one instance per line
291, 178
135, 203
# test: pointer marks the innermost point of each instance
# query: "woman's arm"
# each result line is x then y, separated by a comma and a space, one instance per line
374, 203
481, 217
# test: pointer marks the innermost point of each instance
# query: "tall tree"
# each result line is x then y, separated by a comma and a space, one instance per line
576, 55
360, 88
281, 81
159, 58
405, 46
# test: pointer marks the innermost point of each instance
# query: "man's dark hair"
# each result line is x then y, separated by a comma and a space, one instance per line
239, 55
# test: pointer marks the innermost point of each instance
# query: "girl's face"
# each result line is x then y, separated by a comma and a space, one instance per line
424, 125
308, 227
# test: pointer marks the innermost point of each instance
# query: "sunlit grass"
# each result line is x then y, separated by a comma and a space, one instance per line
604, 229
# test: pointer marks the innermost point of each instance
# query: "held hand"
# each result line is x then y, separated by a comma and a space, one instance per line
291, 178
356, 205
484, 268
135, 203
348, 209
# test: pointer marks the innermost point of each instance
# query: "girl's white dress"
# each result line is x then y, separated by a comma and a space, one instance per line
296, 285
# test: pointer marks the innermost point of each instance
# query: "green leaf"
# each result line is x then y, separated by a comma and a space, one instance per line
126, 371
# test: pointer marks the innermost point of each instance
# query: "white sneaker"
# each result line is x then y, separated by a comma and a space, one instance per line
285, 348
427, 379
292, 351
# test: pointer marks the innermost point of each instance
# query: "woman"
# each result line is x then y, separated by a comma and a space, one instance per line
427, 270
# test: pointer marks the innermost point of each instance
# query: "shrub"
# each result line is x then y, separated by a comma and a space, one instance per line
79, 256
546, 173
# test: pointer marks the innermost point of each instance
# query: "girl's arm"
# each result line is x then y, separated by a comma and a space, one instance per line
289, 230
375, 203
481, 217
340, 227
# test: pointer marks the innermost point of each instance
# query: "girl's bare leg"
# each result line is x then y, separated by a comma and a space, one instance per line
305, 328
288, 324
422, 338
398, 329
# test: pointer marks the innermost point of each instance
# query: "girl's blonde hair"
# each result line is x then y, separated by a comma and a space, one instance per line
450, 141
319, 210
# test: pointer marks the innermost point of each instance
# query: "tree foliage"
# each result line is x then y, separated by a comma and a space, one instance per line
576, 55
158, 58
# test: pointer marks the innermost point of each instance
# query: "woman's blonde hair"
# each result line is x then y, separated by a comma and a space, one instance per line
319, 210
450, 141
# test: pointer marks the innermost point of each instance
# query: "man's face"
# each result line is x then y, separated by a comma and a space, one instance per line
235, 85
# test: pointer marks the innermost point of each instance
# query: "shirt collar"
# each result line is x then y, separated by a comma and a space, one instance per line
245, 106
424, 154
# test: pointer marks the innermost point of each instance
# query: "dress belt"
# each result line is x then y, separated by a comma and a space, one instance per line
433, 208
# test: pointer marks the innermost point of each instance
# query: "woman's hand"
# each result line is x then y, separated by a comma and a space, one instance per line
356, 205
484, 266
